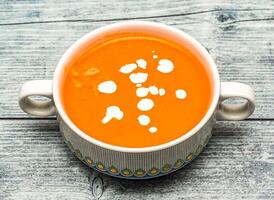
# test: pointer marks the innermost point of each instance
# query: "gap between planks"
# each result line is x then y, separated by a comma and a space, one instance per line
147, 17
54, 118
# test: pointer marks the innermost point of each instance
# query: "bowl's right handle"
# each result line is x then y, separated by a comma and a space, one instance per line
33, 106
235, 111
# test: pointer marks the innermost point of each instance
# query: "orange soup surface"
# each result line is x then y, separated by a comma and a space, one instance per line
136, 90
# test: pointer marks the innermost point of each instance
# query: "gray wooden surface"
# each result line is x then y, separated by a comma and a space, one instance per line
238, 163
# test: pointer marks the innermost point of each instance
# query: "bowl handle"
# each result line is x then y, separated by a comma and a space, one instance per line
238, 111
37, 88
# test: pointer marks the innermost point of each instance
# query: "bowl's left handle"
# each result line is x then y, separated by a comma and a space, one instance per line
37, 88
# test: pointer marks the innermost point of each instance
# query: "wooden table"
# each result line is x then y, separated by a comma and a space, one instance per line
238, 162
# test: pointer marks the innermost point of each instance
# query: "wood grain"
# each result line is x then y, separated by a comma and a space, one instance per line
239, 39
238, 163
25, 12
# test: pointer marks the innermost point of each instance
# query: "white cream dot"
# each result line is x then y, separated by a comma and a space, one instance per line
162, 91
152, 129
153, 90
138, 85
145, 104
138, 77
107, 87
181, 94
165, 66
112, 112
142, 92
141, 63
128, 68
143, 120
154, 56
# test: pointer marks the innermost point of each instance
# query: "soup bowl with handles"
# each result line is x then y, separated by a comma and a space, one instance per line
146, 162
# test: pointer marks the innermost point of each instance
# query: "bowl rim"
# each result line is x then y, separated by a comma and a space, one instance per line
70, 51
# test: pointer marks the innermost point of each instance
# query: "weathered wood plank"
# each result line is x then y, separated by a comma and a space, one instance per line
238, 163
63, 10
241, 41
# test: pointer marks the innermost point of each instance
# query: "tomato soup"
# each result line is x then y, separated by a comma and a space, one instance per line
136, 89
